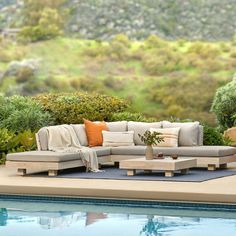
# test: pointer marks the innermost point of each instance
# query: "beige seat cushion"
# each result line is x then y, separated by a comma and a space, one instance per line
102, 151
197, 151
49, 156
43, 156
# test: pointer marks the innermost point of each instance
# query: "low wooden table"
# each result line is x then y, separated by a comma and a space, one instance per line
167, 165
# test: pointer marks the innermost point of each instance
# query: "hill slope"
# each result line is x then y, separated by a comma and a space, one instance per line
159, 78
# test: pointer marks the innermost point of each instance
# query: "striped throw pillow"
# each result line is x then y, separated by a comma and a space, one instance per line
117, 139
170, 136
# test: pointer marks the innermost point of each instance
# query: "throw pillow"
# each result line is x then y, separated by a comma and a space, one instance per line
94, 132
170, 136
116, 139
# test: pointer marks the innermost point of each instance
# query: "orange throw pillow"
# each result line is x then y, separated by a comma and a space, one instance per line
94, 132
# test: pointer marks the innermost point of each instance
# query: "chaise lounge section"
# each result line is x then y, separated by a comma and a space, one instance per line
190, 145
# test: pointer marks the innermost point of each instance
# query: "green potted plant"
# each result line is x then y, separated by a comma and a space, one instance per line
150, 139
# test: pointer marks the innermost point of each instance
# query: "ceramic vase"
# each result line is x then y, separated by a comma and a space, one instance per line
149, 152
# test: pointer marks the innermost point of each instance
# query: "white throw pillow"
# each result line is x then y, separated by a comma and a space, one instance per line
170, 136
116, 139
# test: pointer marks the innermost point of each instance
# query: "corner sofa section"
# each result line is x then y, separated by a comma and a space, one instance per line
211, 157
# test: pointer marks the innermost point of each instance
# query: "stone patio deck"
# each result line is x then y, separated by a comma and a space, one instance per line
222, 190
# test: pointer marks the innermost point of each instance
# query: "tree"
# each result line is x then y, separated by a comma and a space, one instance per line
224, 105
42, 19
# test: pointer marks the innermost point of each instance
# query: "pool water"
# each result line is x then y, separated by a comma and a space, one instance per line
70, 218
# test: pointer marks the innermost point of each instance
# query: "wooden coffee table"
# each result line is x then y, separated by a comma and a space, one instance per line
167, 165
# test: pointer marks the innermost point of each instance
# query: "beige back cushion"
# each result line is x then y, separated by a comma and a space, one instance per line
117, 126
200, 135
141, 128
81, 134
117, 139
42, 136
42, 139
170, 136
189, 132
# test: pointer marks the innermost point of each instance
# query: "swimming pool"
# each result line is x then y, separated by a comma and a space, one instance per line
82, 217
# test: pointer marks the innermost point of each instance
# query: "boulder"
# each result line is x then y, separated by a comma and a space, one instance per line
231, 134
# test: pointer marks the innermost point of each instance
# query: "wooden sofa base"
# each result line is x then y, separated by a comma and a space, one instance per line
212, 163
51, 167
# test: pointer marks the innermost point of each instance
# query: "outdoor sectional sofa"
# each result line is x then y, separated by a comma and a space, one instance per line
190, 145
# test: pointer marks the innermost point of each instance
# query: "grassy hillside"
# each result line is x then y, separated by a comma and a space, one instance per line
159, 78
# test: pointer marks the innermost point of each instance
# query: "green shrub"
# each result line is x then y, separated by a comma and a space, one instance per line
224, 105
114, 83
118, 51
129, 116
233, 54
21, 142
90, 84
57, 84
212, 136
24, 141
73, 107
98, 50
204, 50
5, 137
19, 113
5, 56
122, 39
43, 23
24, 74
154, 41
117, 48
157, 62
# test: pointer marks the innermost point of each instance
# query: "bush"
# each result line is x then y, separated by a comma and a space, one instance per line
204, 50
21, 142
5, 56
71, 108
154, 41
157, 61
24, 141
114, 83
24, 74
19, 113
212, 136
41, 24
122, 39
128, 116
224, 105
117, 49
5, 137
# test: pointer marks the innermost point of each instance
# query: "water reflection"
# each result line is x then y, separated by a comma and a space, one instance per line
151, 225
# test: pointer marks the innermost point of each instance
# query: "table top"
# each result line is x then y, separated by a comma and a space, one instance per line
158, 164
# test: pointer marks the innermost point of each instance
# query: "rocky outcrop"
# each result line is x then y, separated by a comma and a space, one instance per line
15, 67
8, 11
211, 19
172, 19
